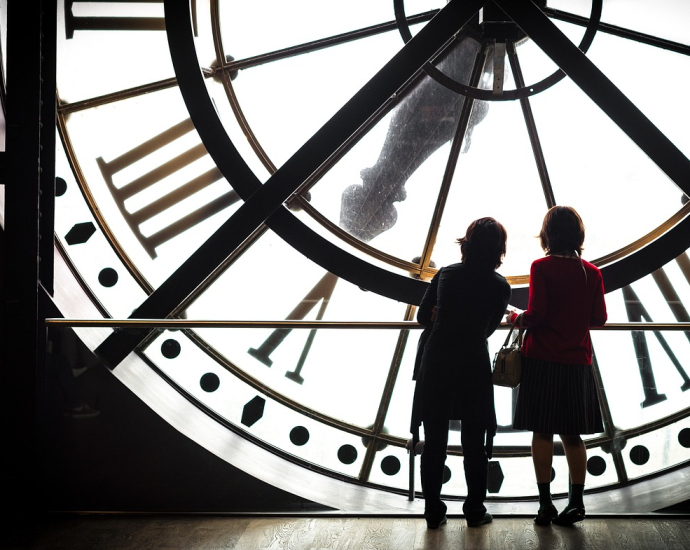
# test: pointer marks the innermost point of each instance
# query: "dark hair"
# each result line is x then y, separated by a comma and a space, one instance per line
484, 244
562, 231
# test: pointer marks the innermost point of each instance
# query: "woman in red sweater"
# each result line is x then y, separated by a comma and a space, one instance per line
558, 394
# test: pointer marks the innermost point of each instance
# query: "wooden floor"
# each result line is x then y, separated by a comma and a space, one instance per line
327, 532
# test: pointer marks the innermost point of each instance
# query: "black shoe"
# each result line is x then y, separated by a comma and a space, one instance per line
546, 515
488, 518
435, 524
570, 516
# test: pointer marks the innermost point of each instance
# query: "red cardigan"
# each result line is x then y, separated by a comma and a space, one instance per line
563, 304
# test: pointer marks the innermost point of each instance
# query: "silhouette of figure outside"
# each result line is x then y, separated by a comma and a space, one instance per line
425, 121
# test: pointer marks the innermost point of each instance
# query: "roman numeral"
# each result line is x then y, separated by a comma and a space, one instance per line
637, 313
157, 177
94, 16
322, 292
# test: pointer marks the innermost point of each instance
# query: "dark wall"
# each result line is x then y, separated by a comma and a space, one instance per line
127, 457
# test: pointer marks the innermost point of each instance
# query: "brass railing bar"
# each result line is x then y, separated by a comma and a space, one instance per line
188, 324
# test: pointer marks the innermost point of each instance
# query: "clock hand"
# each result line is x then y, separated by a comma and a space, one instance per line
425, 120
263, 205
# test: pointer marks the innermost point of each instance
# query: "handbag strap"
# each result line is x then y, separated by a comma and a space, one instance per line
512, 328
520, 330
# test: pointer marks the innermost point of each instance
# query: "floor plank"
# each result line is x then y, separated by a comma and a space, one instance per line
333, 532
675, 533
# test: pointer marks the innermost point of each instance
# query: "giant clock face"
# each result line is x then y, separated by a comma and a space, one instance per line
270, 161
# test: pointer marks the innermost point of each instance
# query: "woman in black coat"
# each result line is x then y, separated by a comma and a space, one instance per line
463, 304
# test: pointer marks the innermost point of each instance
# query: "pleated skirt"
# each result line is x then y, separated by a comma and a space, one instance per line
554, 398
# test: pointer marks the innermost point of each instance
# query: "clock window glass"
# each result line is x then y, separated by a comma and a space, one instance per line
298, 22
398, 414
337, 369
94, 61
509, 188
656, 450
655, 362
388, 466
666, 19
678, 280
633, 66
89, 250
652, 388
422, 6
151, 178
577, 7
602, 173
535, 64
329, 231
261, 417
312, 88
375, 193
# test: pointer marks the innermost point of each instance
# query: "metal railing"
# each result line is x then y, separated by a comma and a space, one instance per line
177, 324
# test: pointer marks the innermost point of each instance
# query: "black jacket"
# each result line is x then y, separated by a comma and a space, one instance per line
454, 381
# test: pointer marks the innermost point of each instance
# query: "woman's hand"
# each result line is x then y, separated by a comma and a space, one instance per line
511, 315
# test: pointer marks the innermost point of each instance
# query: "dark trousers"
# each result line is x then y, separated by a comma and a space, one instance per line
434, 459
